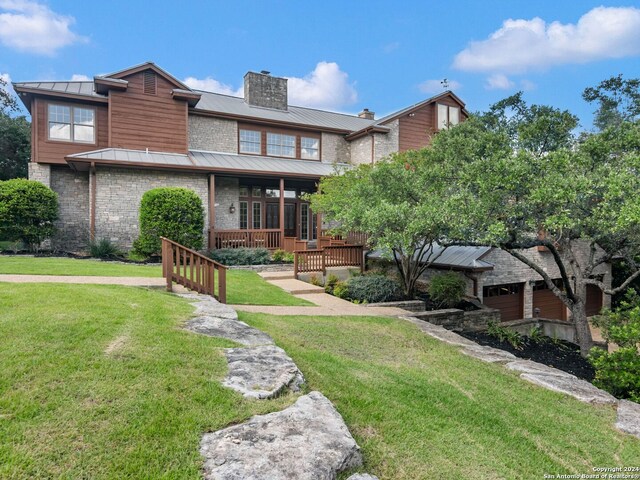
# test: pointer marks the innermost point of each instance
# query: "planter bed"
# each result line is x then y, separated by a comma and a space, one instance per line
559, 354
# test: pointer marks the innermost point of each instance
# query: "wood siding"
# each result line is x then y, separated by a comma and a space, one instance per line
54, 151
417, 127
139, 121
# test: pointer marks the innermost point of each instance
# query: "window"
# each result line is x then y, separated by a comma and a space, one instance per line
250, 141
310, 148
244, 191
244, 215
447, 116
256, 192
257, 215
73, 124
304, 221
500, 290
281, 145
275, 193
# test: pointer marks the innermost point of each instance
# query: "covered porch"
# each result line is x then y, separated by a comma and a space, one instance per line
262, 212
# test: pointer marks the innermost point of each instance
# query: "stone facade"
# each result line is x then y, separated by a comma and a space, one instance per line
263, 90
213, 134
40, 172
73, 202
335, 148
118, 196
361, 150
227, 193
386, 143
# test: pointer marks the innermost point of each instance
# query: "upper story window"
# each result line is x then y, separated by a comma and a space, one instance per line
281, 145
447, 116
71, 124
250, 141
310, 148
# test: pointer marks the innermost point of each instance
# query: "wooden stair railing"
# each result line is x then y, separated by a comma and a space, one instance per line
193, 270
330, 256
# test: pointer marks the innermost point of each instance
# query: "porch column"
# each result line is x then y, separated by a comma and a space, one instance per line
212, 210
282, 213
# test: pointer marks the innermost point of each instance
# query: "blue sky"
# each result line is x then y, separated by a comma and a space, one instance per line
340, 55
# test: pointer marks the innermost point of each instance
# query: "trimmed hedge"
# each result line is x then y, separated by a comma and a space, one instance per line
171, 212
241, 256
373, 289
27, 211
447, 289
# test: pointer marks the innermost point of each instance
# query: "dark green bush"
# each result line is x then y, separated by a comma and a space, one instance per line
103, 248
281, 256
174, 213
618, 372
373, 289
447, 289
27, 211
241, 256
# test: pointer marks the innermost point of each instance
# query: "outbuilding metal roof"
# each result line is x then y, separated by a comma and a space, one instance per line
455, 257
225, 104
209, 161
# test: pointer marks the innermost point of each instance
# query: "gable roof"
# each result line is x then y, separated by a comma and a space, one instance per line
146, 66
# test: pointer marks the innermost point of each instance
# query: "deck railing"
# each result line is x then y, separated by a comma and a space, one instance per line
292, 244
351, 238
318, 260
190, 269
265, 238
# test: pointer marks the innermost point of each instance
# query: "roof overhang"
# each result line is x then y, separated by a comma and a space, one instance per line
367, 131
103, 84
25, 94
191, 97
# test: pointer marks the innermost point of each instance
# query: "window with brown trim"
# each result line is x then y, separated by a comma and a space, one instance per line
254, 140
448, 116
309, 148
244, 215
250, 141
71, 124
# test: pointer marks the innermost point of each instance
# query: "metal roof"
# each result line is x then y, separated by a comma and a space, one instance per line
211, 161
225, 104
263, 165
454, 257
75, 88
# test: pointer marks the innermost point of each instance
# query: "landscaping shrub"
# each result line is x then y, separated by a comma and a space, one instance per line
314, 280
373, 289
447, 289
27, 212
618, 372
241, 256
505, 334
174, 213
341, 290
103, 248
331, 282
281, 256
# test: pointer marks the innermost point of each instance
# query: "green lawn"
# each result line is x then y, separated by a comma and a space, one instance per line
421, 410
99, 382
244, 287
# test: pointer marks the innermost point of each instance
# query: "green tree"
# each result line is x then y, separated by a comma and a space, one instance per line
15, 146
27, 211
405, 204
15, 138
576, 199
618, 101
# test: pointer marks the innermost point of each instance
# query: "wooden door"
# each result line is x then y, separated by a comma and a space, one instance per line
273, 215
289, 220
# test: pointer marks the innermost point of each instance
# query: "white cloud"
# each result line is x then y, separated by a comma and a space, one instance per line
76, 77
32, 27
498, 81
523, 45
210, 84
436, 86
325, 87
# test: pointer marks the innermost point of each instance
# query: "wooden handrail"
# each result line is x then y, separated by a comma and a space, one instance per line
193, 270
330, 256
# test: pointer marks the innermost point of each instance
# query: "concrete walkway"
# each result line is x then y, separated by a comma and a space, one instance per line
128, 281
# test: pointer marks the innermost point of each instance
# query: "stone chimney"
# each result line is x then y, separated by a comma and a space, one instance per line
367, 114
263, 90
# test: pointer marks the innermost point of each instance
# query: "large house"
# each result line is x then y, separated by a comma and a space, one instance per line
101, 144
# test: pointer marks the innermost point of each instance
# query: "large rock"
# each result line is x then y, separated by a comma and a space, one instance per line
488, 354
230, 329
308, 440
578, 389
628, 419
535, 368
441, 333
207, 305
261, 372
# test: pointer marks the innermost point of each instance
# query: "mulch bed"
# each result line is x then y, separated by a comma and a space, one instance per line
559, 354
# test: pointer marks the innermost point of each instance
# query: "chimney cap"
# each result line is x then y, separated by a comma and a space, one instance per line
368, 114
265, 72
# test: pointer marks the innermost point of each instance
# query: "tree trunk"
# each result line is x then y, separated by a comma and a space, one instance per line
581, 324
